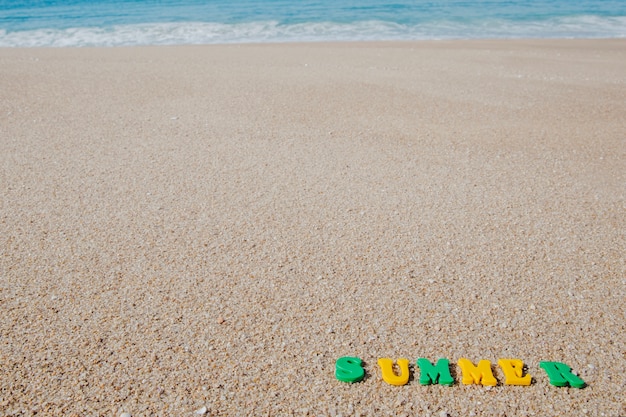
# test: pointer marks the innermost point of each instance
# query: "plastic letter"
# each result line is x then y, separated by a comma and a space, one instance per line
560, 375
386, 367
349, 369
480, 374
439, 373
513, 370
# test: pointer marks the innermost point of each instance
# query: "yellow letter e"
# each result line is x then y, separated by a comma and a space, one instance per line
513, 370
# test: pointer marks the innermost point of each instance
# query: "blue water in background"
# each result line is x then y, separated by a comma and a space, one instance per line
167, 22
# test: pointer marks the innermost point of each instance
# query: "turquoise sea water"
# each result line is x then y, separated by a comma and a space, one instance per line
158, 22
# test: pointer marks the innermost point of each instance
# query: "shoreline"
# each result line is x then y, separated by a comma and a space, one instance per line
380, 42
215, 225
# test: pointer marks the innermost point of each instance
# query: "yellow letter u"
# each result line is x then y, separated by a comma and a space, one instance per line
386, 367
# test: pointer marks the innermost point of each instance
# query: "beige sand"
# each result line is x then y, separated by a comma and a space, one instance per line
214, 226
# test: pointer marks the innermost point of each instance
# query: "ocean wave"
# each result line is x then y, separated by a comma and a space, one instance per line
272, 31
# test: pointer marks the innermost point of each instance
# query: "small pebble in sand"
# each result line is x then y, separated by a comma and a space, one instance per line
221, 320
125, 415
201, 411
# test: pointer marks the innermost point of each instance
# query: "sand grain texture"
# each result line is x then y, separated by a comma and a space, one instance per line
214, 226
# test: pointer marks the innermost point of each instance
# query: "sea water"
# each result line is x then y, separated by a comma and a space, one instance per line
25, 23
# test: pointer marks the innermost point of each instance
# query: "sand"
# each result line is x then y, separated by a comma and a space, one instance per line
214, 226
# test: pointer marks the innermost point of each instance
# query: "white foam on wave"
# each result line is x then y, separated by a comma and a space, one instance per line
272, 31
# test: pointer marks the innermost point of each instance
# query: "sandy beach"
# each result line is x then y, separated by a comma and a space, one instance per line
214, 226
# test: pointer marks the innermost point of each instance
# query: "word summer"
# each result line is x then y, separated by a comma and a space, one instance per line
350, 369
